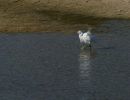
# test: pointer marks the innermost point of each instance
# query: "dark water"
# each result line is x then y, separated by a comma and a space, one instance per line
52, 67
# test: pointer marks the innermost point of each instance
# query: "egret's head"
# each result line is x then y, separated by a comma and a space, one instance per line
79, 32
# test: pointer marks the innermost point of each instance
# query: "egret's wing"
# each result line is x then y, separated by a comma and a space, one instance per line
85, 34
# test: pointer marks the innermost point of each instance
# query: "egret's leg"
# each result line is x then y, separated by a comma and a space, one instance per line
82, 47
90, 45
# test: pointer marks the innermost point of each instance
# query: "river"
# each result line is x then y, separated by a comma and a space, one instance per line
42, 66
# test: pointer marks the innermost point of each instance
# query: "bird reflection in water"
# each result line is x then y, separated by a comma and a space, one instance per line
85, 70
85, 58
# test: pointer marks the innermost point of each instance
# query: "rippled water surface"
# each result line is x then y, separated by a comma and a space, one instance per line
52, 66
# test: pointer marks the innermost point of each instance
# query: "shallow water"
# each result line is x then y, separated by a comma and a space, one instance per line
52, 67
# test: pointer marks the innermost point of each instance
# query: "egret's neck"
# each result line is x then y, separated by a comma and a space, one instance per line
80, 34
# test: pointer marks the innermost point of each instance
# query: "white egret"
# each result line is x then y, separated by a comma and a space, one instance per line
85, 38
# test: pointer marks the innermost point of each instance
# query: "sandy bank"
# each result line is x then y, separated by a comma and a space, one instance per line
96, 8
57, 15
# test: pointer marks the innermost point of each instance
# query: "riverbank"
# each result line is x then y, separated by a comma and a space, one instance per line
56, 15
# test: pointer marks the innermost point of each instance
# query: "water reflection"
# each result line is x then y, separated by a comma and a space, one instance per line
85, 64
85, 68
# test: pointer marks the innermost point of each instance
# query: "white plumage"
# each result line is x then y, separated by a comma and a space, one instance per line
85, 38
